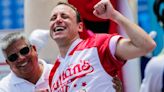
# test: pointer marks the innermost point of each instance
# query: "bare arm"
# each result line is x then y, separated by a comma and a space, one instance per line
139, 42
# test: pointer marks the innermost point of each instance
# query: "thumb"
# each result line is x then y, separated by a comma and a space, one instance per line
96, 6
96, 13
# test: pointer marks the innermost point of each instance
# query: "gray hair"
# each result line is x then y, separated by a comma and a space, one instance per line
11, 38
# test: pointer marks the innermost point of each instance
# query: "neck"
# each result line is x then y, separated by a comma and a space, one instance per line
63, 50
64, 47
37, 75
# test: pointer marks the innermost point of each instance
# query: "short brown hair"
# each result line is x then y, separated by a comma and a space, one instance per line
78, 18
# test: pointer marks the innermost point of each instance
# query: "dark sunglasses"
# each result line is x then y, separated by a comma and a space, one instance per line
24, 51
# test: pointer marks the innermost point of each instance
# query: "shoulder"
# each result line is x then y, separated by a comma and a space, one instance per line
5, 82
152, 81
6, 78
155, 67
156, 64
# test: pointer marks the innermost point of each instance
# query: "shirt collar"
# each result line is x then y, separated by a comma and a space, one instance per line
15, 79
73, 45
44, 75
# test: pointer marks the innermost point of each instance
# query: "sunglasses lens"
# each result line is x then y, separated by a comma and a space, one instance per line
13, 57
25, 51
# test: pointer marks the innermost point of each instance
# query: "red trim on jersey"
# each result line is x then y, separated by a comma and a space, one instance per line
52, 72
113, 67
109, 63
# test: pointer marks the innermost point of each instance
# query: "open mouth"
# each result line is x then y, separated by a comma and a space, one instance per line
59, 28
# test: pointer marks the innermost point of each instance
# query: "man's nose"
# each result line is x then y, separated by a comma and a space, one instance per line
21, 57
59, 20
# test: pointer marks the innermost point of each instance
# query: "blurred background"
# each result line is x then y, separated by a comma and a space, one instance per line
30, 15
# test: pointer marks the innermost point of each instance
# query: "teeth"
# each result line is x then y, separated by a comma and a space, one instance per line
59, 28
23, 64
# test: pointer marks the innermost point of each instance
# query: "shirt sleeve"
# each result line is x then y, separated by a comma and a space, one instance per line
106, 45
113, 43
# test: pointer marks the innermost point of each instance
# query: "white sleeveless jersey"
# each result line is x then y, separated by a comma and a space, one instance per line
87, 67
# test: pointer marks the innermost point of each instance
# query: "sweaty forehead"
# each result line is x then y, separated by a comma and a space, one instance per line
63, 9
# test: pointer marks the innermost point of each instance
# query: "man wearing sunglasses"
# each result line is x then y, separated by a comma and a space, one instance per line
28, 73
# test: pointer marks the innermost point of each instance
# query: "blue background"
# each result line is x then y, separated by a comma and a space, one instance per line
11, 15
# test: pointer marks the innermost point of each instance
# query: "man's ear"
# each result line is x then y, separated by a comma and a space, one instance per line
7, 62
81, 26
3, 51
